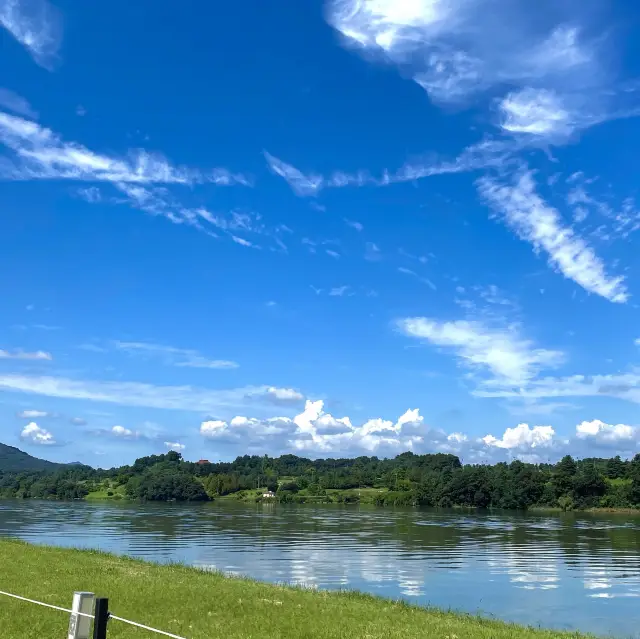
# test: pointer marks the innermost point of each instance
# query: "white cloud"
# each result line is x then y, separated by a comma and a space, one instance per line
182, 357
522, 436
36, 435
125, 433
301, 184
16, 103
625, 386
36, 25
605, 432
284, 394
78, 421
212, 428
503, 352
33, 356
175, 446
338, 291
456, 49
353, 224
187, 398
537, 112
42, 154
32, 414
541, 225
316, 432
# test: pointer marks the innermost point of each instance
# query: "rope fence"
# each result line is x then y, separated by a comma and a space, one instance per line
80, 620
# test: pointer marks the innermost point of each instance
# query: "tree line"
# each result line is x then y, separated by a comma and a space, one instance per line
438, 480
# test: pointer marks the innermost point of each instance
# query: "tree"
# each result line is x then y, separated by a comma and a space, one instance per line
588, 487
616, 468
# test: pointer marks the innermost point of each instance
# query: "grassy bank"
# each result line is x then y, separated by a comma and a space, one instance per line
202, 605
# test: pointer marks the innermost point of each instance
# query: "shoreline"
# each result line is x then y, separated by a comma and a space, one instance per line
367, 502
199, 604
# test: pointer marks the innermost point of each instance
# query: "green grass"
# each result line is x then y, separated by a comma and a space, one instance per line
203, 605
117, 492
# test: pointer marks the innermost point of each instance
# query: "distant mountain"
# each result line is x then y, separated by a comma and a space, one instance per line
14, 460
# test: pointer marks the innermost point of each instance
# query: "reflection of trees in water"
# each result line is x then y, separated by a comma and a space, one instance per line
442, 538
23, 518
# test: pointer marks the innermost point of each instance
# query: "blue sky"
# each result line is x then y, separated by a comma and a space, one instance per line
332, 229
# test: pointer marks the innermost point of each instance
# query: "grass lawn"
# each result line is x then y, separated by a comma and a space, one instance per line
202, 605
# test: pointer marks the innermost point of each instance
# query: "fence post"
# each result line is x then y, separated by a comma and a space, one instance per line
79, 625
101, 616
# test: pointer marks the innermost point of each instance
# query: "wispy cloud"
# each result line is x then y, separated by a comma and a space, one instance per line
301, 183
339, 291
183, 357
16, 103
537, 112
503, 353
456, 50
625, 386
34, 434
188, 398
32, 414
412, 273
488, 153
42, 154
36, 25
32, 356
534, 221
353, 224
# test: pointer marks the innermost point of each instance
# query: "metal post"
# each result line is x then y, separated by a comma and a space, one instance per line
79, 625
101, 617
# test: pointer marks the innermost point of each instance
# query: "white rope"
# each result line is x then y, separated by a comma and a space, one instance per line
83, 614
46, 605
139, 625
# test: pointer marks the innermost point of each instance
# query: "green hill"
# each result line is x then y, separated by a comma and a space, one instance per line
14, 460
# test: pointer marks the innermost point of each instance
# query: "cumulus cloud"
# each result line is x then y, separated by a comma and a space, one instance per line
125, 433
538, 223
600, 431
32, 414
34, 434
508, 357
32, 356
317, 432
314, 430
182, 357
175, 446
187, 398
522, 436
36, 25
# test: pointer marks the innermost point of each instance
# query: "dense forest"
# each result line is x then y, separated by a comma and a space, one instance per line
422, 480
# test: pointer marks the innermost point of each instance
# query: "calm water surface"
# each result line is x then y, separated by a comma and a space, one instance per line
573, 571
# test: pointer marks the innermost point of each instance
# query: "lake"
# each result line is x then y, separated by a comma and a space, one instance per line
570, 571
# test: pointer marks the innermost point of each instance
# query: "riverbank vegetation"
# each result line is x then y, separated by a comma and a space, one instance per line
438, 480
196, 604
